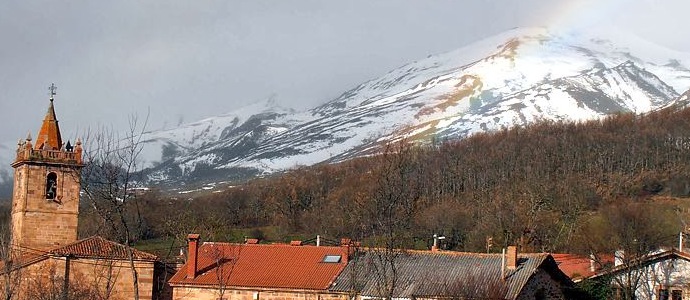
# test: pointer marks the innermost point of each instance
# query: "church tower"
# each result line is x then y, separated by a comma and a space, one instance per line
45, 201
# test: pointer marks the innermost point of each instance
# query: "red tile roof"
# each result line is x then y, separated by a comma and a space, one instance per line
578, 266
265, 266
92, 247
98, 247
20, 262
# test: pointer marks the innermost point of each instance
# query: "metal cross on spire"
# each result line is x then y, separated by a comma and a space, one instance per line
52, 89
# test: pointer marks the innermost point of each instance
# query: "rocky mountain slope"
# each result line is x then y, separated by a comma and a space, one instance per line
511, 79
507, 80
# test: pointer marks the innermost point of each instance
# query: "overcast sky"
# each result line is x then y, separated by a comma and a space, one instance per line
189, 59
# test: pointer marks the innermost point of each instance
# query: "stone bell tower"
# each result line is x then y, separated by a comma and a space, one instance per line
45, 201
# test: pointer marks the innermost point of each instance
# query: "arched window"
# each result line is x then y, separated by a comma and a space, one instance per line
51, 186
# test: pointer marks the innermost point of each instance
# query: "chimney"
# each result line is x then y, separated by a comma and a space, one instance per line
503, 264
512, 258
295, 243
680, 241
592, 263
437, 238
618, 258
192, 255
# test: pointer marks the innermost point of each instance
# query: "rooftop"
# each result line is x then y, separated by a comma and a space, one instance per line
427, 273
265, 266
98, 247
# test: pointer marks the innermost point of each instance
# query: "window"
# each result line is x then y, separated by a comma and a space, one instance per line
670, 294
331, 258
51, 186
676, 295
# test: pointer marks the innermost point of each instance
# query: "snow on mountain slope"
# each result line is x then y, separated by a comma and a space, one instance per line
507, 80
165, 144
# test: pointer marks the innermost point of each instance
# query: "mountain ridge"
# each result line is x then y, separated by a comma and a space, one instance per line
510, 79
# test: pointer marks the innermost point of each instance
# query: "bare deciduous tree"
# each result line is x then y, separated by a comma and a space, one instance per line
110, 167
11, 274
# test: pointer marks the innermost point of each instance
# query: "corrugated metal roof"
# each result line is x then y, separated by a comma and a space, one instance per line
98, 247
440, 274
265, 266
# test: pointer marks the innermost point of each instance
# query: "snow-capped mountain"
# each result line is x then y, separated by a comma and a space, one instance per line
166, 144
507, 80
511, 79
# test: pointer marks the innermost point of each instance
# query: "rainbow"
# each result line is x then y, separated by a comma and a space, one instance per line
573, 15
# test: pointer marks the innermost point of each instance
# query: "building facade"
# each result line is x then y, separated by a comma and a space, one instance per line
45, 200
660, 275
253, 271
45, 257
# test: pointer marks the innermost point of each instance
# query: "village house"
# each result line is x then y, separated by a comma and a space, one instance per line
579, 267
45, 256
253, 271
660, 275
379, 273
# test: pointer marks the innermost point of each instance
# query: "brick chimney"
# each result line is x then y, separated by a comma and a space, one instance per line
192, 255
512, 258
348, 248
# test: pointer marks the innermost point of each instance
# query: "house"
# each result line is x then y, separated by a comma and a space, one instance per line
380, 273
96, 268
255, 271
579, 267
45, 257
660, 275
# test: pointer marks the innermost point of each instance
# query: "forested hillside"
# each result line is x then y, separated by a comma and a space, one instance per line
548, 186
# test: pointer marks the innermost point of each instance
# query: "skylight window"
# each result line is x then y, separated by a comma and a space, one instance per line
332, 258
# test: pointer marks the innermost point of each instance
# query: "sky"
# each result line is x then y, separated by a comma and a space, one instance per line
180, 61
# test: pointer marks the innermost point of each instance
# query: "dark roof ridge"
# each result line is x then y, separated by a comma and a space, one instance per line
265, 245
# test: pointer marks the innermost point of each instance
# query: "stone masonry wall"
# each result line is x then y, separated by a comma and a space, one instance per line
212, 293
43, 224
46, 278
541, 287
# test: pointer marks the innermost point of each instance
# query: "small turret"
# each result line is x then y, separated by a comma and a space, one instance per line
78, 151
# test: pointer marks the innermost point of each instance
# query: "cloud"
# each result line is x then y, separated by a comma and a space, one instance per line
203, 58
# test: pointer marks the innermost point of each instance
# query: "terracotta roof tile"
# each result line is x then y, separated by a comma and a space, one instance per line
266, 266
92, 247
577, 266
98, 247
21, 261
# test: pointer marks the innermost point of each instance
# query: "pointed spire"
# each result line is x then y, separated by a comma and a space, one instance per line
49, 134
